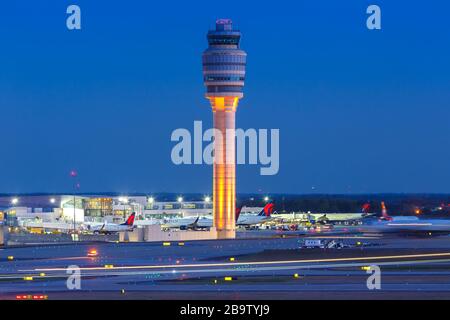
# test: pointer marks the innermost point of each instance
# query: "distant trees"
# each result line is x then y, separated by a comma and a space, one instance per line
397, 204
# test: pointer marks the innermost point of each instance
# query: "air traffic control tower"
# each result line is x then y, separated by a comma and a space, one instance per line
224, 74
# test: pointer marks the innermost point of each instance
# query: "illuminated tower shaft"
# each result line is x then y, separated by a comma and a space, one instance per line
224, 75
224, 175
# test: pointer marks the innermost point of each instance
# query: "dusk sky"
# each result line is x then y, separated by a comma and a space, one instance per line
359, 111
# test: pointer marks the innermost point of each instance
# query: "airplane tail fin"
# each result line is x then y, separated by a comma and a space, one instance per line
365, 208
267, 210
130, 220
194, 224
384, 212
238, 212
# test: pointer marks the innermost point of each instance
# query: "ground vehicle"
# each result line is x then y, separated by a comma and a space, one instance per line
313, 243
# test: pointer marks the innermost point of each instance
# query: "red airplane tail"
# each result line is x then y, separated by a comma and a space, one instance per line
365, 208
238, 212
267, 210
130, 220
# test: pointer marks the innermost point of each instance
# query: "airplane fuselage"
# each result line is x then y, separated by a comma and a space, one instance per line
207, 222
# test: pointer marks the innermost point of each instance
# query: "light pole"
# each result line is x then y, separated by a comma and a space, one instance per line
15, 201
180, 201
101, 207
124, 201
206, 200
76, 185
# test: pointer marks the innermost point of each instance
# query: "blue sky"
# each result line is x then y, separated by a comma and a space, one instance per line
358, 111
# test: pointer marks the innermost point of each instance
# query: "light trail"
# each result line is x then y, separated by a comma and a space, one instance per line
70, 258
344, 237
409, 224
273, 268
234, 270
173, 266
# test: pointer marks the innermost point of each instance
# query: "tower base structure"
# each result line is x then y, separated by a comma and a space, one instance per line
226, 234
3, 233
224, 175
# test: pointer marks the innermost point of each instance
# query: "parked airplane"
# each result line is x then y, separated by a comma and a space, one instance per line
207, 222
108, 228
331, 218
251, 219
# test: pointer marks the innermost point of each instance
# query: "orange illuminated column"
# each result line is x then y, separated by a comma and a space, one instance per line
224, 176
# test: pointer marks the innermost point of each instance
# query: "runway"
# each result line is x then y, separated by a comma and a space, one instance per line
243, 267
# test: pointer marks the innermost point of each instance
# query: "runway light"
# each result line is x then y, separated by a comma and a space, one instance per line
181, 243
365, 268
228, 278
52, 200
180, 199
28, 278
122, 291
207, 199
41, 274
109, 266
266, 199
296, 275
215, 281
166, 244
92, 253
10, 258
15, 201
232, 259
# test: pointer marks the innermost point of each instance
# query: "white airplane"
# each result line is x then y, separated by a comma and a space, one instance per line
247, 220
207, 222
325, 218
108, 228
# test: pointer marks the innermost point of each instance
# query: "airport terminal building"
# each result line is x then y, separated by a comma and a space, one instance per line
95, 208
